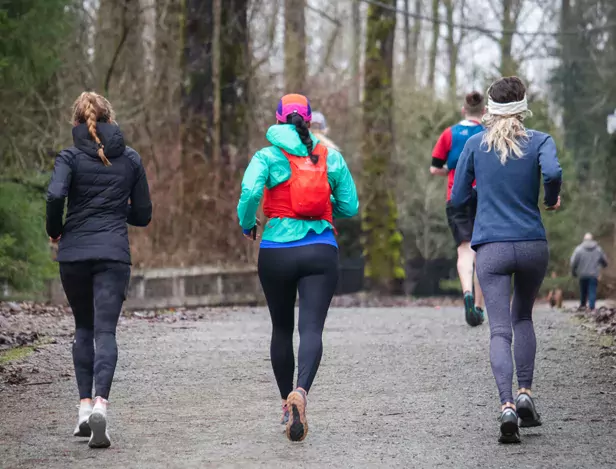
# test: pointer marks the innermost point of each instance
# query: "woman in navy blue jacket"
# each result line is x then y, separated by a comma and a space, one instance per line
106, 187
509, 238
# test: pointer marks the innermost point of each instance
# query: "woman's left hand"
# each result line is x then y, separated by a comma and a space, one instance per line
252, 233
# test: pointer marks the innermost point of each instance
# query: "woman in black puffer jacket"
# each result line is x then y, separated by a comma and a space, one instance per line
106, 186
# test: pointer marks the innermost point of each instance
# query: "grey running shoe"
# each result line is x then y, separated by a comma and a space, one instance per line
526, 411
509, 430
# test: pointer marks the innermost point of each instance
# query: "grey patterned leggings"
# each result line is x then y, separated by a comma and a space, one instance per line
96, 291
497, 263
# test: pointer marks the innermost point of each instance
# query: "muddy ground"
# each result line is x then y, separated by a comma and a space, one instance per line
398, 387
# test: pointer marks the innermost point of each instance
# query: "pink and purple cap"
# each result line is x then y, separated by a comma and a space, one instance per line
294, 103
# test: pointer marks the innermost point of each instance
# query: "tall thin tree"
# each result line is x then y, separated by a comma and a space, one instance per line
381, 238
295, 46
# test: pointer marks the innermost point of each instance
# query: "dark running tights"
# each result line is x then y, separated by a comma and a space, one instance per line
95, 291
497, 263
313, 271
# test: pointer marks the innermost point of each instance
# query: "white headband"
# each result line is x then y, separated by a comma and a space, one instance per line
507, 109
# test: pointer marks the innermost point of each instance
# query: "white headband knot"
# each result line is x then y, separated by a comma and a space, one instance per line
508, 109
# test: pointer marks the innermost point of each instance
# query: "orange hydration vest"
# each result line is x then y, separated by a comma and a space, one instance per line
306, 194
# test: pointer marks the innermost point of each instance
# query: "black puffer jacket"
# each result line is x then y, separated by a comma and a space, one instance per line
101, 199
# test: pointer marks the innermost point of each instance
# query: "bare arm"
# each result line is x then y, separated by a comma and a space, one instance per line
438, 171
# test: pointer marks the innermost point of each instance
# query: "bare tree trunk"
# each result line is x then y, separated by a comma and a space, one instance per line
414, 59
356, 61
295, 46
452, 50
216, 53
119, 49
434, 45
214, 120
511, 11
382, 240
167, 62
407, 39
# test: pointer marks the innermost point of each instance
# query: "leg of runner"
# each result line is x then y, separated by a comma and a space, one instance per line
496, 263
77, 282
584, 283
466, 272
110, 283
314, 270
278, 278
532, 261
317, 284
479, 301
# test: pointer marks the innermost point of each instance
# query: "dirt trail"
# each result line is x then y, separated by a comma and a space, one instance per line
398, 387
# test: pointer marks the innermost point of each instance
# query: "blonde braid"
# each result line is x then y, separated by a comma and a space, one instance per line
90, 108
90, 114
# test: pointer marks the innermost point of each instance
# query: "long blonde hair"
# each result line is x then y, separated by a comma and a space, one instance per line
89, 108
506, 133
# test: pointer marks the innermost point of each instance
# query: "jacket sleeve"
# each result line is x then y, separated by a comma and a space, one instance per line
140, 205
253, 184
57, 192
344, 192
462, 189
551, 171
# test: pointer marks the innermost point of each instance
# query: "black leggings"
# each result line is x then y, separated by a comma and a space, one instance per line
96, 291
313, 270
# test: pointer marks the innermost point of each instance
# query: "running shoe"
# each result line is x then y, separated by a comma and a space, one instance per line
526, 411
83, 427
473, 318
509, 430
285, 414
480, 314
297, 426
98, 425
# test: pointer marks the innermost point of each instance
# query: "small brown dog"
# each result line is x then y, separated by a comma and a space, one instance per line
555, 296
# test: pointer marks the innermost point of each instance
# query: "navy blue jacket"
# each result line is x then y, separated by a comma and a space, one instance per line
101, 199
508, 195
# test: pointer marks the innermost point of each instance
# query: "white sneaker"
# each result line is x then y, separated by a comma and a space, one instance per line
98, 425
83, 427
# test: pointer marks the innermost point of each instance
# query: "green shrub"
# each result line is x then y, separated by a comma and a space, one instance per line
25, 259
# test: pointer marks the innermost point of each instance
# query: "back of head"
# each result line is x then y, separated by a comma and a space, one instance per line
318, 122
90, 108
474, 104
504, 119
588, 237
295, 109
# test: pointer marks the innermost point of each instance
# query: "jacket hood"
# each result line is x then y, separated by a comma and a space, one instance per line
286, 137
110, 135
589, 245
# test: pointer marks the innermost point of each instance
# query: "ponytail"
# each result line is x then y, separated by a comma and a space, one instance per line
90, 108
304, 134
90, 113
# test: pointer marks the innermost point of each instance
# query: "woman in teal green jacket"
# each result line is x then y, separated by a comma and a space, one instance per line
305, 186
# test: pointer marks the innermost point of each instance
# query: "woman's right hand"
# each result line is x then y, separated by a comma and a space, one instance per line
555, 206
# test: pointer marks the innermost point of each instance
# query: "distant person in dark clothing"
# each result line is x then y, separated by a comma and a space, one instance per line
586, 263
106, 186
509, 238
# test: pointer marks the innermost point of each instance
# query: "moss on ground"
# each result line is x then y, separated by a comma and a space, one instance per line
16, 353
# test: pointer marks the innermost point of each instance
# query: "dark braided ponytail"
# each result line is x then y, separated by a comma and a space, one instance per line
304, 134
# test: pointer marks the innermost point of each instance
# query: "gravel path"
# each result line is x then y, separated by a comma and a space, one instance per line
397, 388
